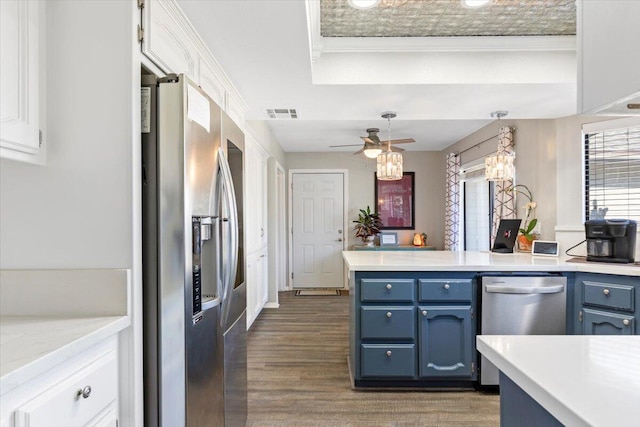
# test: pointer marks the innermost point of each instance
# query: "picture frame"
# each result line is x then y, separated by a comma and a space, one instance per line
395, 202
388, 238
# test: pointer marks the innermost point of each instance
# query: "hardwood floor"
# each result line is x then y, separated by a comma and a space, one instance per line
298, 376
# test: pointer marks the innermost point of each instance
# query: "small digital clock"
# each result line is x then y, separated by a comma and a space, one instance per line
545, 247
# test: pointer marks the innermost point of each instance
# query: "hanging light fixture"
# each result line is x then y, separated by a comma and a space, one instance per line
389, 162
500, 167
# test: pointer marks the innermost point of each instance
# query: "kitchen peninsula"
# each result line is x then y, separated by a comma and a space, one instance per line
414, 318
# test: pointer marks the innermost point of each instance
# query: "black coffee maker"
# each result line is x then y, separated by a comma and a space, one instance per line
611, 240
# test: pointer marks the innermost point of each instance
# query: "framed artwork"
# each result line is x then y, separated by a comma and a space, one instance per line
395, 202
388, 238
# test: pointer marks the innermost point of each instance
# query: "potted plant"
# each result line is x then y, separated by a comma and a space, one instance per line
367, 225
527, 235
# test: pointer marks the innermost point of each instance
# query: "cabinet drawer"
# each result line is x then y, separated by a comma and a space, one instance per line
387, 323
382, 360
620, 297
61, 404
382, 290
455, 290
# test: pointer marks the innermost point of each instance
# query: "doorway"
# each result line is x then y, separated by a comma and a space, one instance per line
318, 221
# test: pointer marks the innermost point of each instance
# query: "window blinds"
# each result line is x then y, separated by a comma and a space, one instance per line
612, 173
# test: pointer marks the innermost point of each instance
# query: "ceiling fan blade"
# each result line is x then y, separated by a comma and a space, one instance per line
359, 151
402, 141
348, 145
397, 149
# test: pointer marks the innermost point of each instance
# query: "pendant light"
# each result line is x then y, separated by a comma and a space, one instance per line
501, 166
389, 162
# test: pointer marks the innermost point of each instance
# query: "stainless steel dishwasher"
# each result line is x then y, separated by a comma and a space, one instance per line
520, 305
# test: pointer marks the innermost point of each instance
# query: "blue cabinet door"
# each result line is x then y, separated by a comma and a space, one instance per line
603, 323
446, 343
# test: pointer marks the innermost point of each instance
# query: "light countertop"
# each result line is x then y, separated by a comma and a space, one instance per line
31, 345
580, 380
49, 316
474, 261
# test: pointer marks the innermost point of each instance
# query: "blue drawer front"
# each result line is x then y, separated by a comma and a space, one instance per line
382, 290
620, 297
387, 323
433, 290
381, 360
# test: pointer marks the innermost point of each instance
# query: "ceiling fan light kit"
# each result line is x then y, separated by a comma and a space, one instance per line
474, 4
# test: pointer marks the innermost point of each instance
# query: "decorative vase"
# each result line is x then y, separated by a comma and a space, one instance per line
524, 245
369, 240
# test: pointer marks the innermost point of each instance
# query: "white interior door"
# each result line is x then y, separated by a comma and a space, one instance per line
318, 230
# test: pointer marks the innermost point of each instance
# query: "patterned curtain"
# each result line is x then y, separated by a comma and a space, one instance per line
504, 203
452, 205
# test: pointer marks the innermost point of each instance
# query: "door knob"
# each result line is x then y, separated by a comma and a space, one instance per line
340, 239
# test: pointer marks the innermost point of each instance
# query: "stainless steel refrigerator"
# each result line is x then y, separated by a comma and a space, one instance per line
195, 362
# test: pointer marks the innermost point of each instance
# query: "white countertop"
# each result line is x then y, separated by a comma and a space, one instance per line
580, 380
473, 261
49, 316
31, 345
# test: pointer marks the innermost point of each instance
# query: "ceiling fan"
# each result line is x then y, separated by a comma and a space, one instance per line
372, 143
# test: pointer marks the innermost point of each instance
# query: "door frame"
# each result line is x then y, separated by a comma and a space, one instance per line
345, 214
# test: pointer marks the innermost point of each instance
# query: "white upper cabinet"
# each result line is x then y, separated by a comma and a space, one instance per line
608, 56
165, 42
171, 42
19, 76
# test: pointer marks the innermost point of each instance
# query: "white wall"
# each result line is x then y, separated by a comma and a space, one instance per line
429, 188
79, 211
75, 212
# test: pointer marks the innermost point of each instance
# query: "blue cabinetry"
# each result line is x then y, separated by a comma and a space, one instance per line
414, 329
607, 304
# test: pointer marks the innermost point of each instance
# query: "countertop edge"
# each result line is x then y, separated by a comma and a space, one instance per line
543, 396
31, 370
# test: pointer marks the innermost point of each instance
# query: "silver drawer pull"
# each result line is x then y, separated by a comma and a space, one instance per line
424, 312
606, 292
389, 286
446, 286
388, 353
626, 322
388, 314
85, 392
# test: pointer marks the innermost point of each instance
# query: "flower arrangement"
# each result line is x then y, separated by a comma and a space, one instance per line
529, 223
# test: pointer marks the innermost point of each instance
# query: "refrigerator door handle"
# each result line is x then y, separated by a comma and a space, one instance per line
211, 303
232, 219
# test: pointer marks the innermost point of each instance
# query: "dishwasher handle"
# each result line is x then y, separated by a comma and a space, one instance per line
524, 289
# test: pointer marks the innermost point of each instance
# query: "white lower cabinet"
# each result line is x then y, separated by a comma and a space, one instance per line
80, 392
257, 284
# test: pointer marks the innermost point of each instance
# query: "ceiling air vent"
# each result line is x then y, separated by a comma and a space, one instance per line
282, 113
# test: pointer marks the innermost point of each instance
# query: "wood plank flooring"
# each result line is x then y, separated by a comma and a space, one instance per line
298, 376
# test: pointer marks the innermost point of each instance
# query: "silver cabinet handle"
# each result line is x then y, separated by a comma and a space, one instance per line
388, 314
424, 312
446, 286
262, 232
606, 292
84, 392
262, 256
389, 286
626, 322
388, 353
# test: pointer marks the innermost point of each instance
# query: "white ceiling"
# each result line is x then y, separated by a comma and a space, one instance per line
442, 88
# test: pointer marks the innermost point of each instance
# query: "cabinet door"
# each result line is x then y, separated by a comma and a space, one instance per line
19, 73
603, 323
446, 346
256, 190
166, 41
